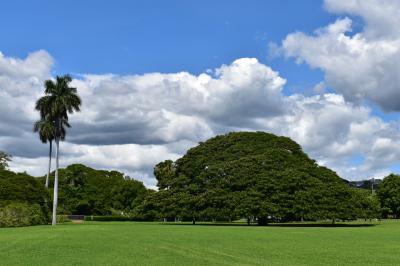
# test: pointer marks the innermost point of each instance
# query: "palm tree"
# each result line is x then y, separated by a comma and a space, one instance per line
60, 100
46, 129
4, 159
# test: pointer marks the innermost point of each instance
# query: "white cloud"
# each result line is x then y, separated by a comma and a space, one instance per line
361, 66
132, 159
380, 16
159, 108
333, 131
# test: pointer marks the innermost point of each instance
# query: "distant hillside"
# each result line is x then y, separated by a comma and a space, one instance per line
366, 184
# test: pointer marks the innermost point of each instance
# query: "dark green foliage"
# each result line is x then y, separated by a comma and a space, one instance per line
83, 190
255, 175
60, 100
389, 195
23, 200
366, 204
22, 214
22, 188
112, 218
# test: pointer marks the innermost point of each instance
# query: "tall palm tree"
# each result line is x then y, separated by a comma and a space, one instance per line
46, 129
60, 100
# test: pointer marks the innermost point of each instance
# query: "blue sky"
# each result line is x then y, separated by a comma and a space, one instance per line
136, 37
335, 40
128, 37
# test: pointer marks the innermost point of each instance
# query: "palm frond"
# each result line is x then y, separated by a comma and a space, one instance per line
59, 101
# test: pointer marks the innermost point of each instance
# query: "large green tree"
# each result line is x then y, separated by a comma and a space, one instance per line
389, 195
252, 175
60, 100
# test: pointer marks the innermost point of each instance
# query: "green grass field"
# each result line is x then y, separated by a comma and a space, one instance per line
129, 243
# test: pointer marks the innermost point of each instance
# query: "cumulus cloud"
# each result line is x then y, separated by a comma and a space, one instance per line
363, 66
21, 82
333, 131
380, 16
132, 159
130, 123
160, 108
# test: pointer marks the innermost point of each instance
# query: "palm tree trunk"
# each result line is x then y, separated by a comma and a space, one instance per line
48, 172
55, 197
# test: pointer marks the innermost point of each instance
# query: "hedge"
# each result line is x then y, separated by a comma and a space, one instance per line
22, 214
113, 218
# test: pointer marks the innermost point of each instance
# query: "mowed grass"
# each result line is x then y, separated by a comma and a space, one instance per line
130, 243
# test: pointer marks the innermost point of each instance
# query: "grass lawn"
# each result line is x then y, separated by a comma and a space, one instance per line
130, 243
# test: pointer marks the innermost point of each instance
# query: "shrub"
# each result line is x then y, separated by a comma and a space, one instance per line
22, 214
62, 219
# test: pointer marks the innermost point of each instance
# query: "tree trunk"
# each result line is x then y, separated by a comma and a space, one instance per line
262, 221
248, 220
194, 221
48, 172
55, 197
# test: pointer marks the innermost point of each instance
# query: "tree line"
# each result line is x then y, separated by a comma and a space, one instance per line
24, 200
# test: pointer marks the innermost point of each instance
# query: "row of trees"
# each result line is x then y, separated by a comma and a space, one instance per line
83, 190
24, 200
87, 191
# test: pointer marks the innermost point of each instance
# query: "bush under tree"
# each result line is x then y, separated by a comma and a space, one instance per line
23, 200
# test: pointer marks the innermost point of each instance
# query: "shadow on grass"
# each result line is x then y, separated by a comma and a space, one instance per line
276, 224
323, 225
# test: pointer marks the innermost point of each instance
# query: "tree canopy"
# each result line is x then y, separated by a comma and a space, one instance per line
83, 190
23, 200
389, 195
254, 174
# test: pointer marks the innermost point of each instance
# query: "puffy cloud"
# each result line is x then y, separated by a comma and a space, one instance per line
160, 108
132, 159
380, 16
363, 65
333, 131
21, 82
130, 123
34, 67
